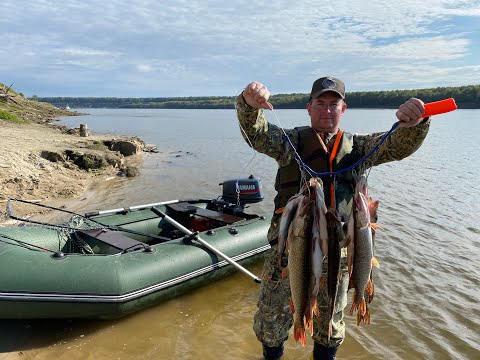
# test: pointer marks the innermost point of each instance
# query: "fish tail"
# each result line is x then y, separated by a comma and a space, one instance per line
358, 305
358, 319
299, 334
362, 307
365, 318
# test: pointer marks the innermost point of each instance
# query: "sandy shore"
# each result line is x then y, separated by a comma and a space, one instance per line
25, 174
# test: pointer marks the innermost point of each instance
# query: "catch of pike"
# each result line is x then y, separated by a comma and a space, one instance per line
310, 232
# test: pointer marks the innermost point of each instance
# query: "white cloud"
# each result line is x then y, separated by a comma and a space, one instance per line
195, 41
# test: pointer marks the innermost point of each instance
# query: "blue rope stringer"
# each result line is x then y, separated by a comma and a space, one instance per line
349, 168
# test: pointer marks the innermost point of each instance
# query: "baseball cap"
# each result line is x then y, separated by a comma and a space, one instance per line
325, 84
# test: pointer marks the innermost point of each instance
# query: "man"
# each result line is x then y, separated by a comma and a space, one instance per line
315, 145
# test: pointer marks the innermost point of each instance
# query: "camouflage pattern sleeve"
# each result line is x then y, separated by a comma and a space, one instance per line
402, 143
263, 136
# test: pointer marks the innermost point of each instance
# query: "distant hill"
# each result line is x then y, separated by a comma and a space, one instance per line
466, 97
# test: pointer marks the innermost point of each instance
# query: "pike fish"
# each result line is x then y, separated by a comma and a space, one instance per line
335, 236
372, 205
298, 246
363, 259
288, 214
319, 242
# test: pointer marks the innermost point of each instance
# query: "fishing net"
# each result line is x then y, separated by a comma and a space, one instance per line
42, 228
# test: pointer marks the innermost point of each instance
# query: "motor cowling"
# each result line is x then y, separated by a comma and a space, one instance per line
247, 190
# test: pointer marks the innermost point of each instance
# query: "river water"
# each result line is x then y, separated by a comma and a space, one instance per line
427, 294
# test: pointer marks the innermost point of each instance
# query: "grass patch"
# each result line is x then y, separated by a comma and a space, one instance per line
98, 145
8, 116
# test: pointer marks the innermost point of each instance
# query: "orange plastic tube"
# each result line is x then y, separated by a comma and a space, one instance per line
439, 107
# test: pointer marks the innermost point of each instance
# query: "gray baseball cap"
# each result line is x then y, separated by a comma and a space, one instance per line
325, 84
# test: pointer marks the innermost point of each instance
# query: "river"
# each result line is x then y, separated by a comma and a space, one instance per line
427, 294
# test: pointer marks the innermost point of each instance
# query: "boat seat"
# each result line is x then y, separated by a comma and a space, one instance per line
210, 214
113, 238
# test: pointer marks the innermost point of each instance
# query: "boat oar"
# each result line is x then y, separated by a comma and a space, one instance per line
106, 226
206, 244
137, 207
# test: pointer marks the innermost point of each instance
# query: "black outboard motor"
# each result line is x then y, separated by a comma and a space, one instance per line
243, 191
236, 194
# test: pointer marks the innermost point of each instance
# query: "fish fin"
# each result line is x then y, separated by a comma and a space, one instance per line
349, 266
375, 262
375, 226
315, 310
348, 239
340, 276
292, 307
369, 288
285, 272
321, 283
370, 296
372, 206
308, 323
299, 335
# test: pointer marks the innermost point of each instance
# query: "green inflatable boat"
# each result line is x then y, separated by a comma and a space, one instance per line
110, 263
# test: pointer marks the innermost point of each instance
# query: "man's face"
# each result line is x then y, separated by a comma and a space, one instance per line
325, 112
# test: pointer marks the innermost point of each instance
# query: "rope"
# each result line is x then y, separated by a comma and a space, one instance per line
333, 173
299, 159
246, 136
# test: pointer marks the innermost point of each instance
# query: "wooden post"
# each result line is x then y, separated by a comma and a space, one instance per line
83, 130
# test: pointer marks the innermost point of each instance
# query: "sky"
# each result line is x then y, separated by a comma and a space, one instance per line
161, 48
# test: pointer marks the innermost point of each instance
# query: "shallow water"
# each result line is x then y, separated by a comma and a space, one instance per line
426, 302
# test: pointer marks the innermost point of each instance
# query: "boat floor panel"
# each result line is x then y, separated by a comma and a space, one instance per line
206, 213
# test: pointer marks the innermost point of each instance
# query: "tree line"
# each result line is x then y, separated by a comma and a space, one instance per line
466, 97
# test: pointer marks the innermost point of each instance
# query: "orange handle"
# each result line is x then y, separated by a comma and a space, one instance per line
439, 107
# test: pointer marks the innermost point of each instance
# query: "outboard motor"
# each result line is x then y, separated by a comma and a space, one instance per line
236, 194
242, 191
